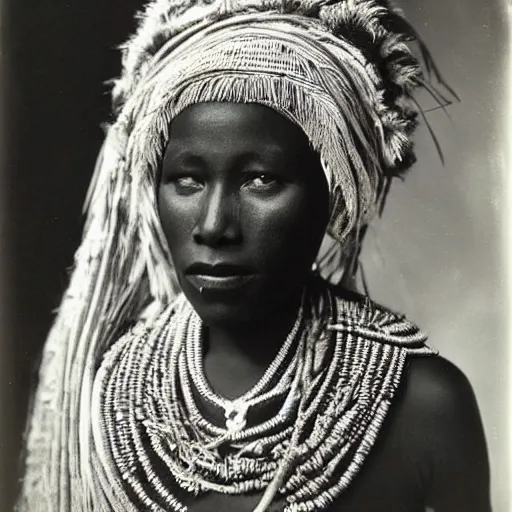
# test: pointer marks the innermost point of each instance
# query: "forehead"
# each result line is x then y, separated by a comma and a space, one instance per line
246, 124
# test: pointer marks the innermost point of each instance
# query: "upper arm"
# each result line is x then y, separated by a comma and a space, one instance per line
445, 413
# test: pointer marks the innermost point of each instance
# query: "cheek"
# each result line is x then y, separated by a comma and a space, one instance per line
287, 229
177, 217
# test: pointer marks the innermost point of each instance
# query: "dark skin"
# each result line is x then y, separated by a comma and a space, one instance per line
240, 185
431, 451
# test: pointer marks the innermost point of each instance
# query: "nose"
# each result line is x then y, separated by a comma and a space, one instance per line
218, 223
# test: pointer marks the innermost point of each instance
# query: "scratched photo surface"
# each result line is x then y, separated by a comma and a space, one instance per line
437, 254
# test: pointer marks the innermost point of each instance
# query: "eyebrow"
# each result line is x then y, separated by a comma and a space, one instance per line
186, 157
270, 153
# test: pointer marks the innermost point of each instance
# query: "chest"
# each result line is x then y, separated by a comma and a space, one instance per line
162, 431
388, 482
393, 478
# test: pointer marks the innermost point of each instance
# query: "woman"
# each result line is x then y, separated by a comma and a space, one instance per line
204, 356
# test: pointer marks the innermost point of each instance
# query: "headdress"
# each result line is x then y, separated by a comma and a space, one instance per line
341, 70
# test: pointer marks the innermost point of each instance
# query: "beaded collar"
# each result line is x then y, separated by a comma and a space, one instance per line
333, 381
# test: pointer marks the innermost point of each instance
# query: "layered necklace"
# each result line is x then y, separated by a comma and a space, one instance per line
329, 389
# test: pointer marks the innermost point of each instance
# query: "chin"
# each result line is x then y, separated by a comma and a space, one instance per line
219, 307
224, 314
255, 301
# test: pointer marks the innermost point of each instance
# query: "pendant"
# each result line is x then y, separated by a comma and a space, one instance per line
235, 414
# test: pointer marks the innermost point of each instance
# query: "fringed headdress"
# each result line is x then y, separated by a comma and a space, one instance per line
341, 70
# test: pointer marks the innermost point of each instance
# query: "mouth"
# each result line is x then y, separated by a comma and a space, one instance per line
219, 276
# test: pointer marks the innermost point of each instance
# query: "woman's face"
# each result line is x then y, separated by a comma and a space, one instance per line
243, 203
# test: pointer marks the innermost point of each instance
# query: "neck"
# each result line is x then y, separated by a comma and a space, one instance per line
256, 342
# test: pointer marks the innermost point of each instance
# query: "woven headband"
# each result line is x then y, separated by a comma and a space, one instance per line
291, 63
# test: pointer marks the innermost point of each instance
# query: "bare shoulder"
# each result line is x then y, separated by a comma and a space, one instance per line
437, 386
436, 403
440, 417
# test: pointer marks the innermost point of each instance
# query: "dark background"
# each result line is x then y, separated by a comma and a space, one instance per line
436, 254
57, 56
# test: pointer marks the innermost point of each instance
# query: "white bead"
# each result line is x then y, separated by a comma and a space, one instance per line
148, 391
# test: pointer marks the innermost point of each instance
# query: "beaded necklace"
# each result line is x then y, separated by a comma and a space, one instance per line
343, 362
236, 410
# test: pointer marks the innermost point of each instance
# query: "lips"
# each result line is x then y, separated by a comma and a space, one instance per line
218, 269
219, 276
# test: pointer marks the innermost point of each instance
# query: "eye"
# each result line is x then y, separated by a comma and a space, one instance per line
186, 185
262, 181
